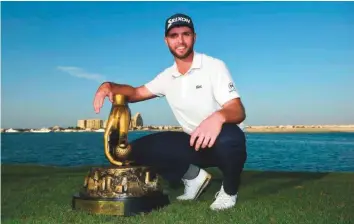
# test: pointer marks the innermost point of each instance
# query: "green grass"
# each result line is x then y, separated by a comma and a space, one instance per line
35, 194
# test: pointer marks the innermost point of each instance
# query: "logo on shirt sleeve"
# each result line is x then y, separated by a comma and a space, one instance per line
231, 87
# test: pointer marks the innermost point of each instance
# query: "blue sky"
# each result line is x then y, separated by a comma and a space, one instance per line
293, 62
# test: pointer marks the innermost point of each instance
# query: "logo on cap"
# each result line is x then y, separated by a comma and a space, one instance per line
178, 19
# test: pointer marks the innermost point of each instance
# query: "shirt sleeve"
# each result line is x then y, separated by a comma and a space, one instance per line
223, 85
156, 85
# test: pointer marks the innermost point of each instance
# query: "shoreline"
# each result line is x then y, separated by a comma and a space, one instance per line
298, 130
247, 129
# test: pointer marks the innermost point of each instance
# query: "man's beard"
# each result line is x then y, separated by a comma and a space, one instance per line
190, 50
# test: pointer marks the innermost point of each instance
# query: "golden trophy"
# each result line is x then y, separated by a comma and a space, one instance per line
122, 188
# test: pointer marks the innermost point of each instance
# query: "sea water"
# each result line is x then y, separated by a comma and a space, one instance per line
315, 152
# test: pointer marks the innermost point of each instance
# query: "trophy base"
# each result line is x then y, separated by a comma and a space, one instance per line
125, 206
123, 191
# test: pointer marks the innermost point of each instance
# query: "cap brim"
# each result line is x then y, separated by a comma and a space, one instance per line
178, 25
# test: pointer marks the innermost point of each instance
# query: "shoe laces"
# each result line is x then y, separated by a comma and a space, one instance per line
220, 194
221, 197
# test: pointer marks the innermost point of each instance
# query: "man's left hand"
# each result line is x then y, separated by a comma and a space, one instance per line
207, 131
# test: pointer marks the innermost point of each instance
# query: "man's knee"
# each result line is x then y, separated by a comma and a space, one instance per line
231, 137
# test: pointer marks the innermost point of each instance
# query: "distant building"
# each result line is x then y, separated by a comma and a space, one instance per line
81, 124
56, 127
94, 123
136, 121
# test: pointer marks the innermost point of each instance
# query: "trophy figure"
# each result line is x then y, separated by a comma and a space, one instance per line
121, 188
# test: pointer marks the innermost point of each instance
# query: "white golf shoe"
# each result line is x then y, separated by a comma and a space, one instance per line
223, 200
193, 188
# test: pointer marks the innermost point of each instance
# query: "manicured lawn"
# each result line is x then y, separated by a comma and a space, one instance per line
37, 194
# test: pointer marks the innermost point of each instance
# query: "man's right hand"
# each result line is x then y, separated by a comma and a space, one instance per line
101, 93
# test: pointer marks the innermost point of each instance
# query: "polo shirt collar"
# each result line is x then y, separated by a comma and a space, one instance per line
196, 64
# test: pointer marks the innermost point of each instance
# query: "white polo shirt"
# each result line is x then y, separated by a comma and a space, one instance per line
198, 93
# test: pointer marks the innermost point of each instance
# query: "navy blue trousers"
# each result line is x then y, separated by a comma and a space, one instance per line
170, 154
